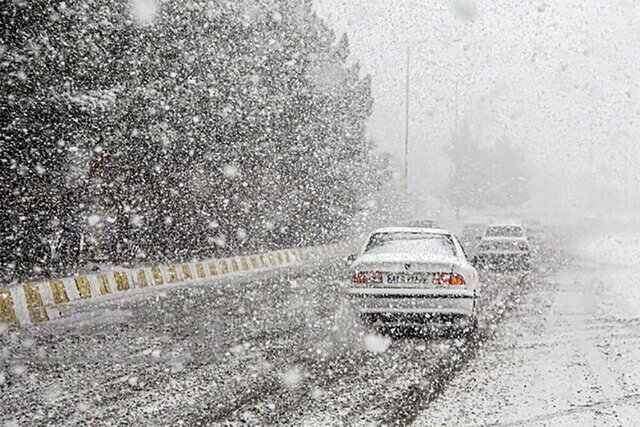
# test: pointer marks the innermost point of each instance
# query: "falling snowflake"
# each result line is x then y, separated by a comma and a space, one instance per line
292, 378
94, 220
231, 171
135, 220
144, 11
376, 343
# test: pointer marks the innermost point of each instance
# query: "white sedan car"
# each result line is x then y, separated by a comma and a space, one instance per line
409, 275
504, 246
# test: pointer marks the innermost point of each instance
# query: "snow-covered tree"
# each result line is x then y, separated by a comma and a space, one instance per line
177, 129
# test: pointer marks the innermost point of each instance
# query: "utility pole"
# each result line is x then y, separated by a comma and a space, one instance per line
455, 141
406, 129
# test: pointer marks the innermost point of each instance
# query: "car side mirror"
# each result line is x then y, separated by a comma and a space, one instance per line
350, 258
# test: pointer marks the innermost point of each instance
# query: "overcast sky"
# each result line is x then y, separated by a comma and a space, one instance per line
557, 77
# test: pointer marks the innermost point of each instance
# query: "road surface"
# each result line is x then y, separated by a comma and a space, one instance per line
282, 348
570, 356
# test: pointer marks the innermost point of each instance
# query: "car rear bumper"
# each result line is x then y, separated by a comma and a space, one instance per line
413, 301
516, 259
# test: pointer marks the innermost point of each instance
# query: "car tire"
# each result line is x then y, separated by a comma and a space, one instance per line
472, 320
473, 324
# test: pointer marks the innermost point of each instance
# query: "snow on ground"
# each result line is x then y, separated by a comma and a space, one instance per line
621, 249
279, 349
273, 350
570, 354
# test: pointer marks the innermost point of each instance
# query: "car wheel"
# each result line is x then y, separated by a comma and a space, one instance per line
472, 320
473, 325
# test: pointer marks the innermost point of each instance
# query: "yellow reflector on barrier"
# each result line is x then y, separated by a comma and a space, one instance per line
122, 281
213, 270
103, 281
157, 276
224, 268
59, 292
234, 265
244, 263
37, 313
84, 289
7, 314
186, 271
200, 271
142, 279
173, 274
254, 262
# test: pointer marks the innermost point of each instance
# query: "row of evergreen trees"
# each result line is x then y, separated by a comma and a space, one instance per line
156, 131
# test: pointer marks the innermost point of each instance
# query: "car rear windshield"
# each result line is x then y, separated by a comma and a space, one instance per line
505, 231
406, 242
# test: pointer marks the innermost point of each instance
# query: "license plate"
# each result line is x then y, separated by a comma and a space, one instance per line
409, 278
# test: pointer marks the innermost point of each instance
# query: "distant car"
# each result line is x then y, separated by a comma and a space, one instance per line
406, 275
504, 246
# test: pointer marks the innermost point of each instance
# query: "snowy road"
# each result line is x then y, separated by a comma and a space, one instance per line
569, 356
279, 349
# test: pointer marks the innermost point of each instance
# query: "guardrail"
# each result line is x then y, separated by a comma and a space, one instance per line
33, 303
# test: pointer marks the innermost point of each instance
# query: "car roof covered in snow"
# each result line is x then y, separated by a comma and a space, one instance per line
506, 223
504, 238
411, 230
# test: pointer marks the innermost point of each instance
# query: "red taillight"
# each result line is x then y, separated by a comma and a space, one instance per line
367, 277
456, 279
448, 279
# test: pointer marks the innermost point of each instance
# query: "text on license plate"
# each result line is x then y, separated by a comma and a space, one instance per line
410, 278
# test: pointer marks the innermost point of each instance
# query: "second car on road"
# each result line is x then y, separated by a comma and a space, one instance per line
504, 246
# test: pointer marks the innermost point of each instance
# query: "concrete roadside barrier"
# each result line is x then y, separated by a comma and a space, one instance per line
37, 302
